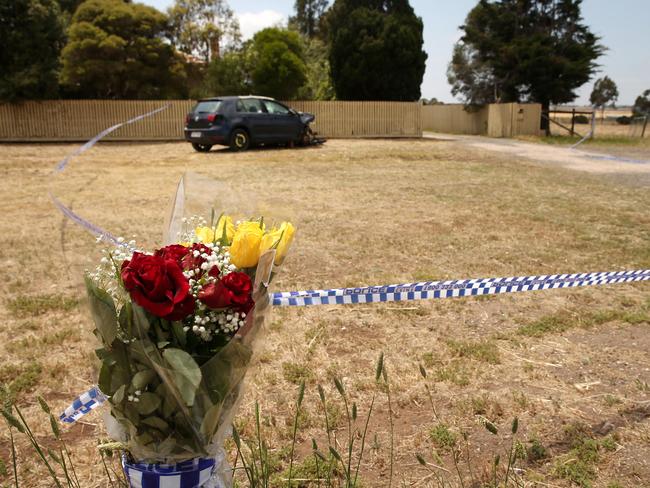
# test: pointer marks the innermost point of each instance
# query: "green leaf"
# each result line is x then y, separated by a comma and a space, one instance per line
211, 421
118, 396
140, 321
179, 333
143, 378
103, 311
157, 423
162, 344
148, 403
186, 373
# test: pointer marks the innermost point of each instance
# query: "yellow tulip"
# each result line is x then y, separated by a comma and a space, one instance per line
204, 234
280, 238
245, 247
230, 227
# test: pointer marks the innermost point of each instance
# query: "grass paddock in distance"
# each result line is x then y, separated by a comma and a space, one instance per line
572, 365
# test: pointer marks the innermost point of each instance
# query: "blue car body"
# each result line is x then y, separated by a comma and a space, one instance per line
215, 121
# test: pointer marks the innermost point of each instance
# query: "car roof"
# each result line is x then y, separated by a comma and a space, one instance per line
234, 97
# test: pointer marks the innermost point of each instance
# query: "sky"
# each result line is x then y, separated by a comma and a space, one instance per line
622, 25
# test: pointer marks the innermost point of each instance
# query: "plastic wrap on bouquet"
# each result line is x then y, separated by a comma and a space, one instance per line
178, 328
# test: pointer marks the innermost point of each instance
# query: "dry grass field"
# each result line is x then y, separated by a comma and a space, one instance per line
572, 365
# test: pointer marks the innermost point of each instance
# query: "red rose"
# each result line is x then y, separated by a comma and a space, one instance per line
158, 285
233, 290
175, 252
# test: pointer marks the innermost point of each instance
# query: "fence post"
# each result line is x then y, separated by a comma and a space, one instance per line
645, 124
573, 121
593, 124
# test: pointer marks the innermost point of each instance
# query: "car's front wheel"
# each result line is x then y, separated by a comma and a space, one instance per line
201, 147
239, 140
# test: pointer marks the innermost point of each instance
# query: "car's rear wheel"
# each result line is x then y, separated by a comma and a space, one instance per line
201, 147
239, 140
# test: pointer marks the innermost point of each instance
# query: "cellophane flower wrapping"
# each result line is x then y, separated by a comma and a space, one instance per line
178, 328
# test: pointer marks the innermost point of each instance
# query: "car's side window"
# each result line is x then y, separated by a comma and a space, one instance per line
275, 108
249, 105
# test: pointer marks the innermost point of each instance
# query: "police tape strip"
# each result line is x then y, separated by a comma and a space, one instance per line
453, 288
93, 398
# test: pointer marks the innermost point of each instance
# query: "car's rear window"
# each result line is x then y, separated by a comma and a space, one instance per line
209, 106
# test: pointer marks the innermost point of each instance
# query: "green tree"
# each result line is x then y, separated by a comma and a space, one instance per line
604, 92
471, 78
203, 28
229, 75
642, 105
31, 36
527, 50
319, 84
278, 63
115, 50
375, 50
309, 17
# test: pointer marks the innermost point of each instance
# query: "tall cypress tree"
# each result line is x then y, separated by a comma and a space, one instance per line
376, 50
533, 50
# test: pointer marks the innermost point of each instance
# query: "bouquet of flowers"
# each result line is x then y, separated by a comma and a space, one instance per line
177, 328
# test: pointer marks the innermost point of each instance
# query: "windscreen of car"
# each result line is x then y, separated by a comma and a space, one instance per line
275, 108
207, 107
249, 105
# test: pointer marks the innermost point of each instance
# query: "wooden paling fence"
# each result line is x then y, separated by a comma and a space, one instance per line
78, 120
494, 120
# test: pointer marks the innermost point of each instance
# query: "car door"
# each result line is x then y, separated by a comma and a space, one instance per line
255, 118
285, 123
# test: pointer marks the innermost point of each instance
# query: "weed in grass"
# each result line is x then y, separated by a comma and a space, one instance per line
443, 438
579, 464
485, 351
29, 306
611, 400
456, 372
296, 373
18, 379
536, 451
642, 385
565, 320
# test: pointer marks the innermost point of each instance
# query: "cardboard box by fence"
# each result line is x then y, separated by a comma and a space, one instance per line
494, 120
78, 120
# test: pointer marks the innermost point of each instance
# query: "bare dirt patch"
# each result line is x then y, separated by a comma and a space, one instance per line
368, 212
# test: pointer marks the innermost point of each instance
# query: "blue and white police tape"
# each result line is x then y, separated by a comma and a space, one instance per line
83, 404
408, 291
454, 288
97, 231
187, 474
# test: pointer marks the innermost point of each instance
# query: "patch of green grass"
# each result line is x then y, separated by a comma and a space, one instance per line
304, 474
598, 140
536, 450
27, 344
296, 373
611, 400
455, 372
31, 306
17, 379
565, 320
485, 351
443, 438
579, 464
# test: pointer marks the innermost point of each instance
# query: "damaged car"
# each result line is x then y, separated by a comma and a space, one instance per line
241, 122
